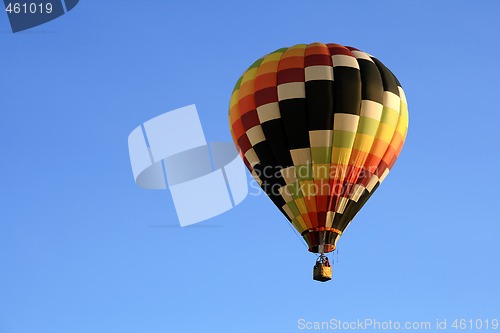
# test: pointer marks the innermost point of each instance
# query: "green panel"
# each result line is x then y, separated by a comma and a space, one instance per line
238, 84
343, 139
321, 155
256, 64
304, 172
294, 190
389, 117
293, 208
368, 126
282, 50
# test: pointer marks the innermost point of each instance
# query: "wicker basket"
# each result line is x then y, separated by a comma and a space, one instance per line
322, 273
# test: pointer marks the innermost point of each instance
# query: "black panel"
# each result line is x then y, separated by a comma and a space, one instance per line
275, 138
294, 119
346, 90
389, 80
320, 104
372, 88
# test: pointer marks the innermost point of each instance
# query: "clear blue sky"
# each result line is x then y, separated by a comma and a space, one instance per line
83, 249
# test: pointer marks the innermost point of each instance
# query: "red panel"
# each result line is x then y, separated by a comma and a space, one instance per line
322, 203
352, 48
291, 62
314, 219
291, 75
381, 168
238, 129
246, 104
265, 81
318, 60
244, 143
336, 49
250, 119
266, 96
372, 162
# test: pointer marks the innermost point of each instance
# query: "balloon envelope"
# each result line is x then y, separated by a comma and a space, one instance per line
319, 126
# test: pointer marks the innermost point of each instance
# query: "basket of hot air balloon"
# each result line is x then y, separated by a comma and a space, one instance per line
319, 127
322, 270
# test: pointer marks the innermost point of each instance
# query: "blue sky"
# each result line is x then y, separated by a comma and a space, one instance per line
83, 249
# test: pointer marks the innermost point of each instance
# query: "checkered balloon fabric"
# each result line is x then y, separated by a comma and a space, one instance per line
319, 126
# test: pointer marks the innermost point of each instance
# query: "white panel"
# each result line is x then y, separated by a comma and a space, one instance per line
251, 157
285, 193
341, 205
268, 112
291, 90
362, 55
392, 101
255, 135
402, 94
319, 73
321, 138
371, 184
371, 109
358, 191
386, 172
256, 177
301, 156
344, 61
345, 122
289, 175
329, 219
288, 211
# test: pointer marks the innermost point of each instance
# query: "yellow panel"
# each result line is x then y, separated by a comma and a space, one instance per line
249, 75
233, 116
403, 121
296, 51
341, 155
301, 205
321, 171
363, 142
299, 224
385, 132
234, 99
276, 56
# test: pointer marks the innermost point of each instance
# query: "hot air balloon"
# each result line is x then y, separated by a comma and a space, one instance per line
319, 127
